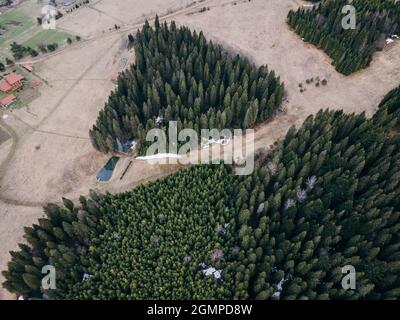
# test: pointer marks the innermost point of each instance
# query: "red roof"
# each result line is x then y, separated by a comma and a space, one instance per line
7, 100
13, 78
28, 67
5, 86
9, 81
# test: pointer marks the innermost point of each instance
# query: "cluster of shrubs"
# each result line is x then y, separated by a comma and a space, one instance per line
317, 82
19, 51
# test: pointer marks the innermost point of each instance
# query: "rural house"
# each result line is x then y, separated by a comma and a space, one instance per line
11, 82
28, 67
5, 102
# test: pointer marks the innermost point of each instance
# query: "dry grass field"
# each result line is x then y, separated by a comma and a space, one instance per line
49, 154
101, 15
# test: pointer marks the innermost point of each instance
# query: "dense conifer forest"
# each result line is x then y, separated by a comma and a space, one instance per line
179, 76
351, 50
326, 197
391, 102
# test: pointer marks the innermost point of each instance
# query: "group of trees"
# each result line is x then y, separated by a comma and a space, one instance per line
143, 244
3, 66
328, 196
351, 50
391, 102
5, 3
19, 51
180, 76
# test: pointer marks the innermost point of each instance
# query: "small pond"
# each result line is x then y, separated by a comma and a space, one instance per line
106, 173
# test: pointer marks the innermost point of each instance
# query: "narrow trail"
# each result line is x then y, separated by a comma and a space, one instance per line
65, 135
34, 129
106, 14
73, 86
4, 164
15, 139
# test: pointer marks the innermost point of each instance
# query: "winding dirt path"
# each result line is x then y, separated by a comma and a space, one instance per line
14, 137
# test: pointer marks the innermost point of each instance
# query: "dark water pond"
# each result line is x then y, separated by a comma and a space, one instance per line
106, 173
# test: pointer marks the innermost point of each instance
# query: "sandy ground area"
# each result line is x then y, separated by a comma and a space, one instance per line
50, 155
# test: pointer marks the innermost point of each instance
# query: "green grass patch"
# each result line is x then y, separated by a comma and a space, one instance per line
13, 24
46, 37
17, 104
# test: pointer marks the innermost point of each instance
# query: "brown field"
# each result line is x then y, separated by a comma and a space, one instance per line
50, 155
103, 15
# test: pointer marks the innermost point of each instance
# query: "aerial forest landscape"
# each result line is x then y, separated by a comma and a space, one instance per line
200, 150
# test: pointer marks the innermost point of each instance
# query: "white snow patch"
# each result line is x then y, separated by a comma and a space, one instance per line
209, 271
160, 156
222, 142
212, 272
311, 181
159, 119
279, 286
260, 208
86, 277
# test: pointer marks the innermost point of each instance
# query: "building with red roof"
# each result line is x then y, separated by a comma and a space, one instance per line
11, 82
5, 102
28, 67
